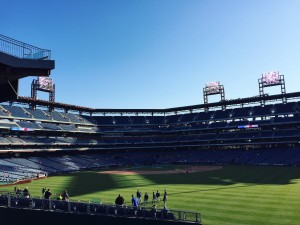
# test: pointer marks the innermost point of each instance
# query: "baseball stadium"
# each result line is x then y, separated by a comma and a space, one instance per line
225, 162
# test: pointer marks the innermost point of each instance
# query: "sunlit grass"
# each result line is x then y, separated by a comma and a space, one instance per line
232, 195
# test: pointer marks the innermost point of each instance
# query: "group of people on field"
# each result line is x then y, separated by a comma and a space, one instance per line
138, 200
46, 193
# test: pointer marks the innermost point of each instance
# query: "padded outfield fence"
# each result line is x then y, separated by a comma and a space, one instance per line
11, 200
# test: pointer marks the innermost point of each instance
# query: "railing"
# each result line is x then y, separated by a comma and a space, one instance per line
22, 50
13, 201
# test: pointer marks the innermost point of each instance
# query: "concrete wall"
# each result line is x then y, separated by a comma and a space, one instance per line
12, 216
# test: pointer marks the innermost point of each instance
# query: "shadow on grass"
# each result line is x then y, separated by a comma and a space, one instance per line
90, 182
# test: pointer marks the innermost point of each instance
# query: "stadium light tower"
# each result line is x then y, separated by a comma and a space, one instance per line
213, 88
270, 79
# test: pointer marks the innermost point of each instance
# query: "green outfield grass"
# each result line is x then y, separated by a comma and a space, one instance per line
232, 195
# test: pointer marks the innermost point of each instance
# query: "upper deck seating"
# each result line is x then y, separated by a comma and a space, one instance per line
38, 114
7, 124
263, 111
57, 116
204, 116
172, 119
4, 113
72, 117
138, 120
120, 120
189, 117
29, 125
241, 112
155, 120
16, 111
287, 108
220, 114
68, 127
103, 120
50, 126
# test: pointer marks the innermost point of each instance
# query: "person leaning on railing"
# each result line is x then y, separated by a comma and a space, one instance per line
26, 193
119, 200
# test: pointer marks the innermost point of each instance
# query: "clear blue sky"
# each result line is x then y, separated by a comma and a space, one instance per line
158, 53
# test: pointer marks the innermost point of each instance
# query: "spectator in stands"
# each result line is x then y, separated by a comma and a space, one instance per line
157, 196
65, 196
134, 201
48, 194
26, 192
43, 191
59, 197
146, 198
154, 210
119, 200
18, 192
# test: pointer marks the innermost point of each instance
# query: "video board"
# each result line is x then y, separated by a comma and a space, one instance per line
212, 87
271, 78
45, 83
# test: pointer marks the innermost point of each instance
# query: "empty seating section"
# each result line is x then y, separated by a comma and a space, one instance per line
4, 141
2, 113
155, 119
187, 117
262, 111
266, 134
50, 126
120, 120
103, 120
84, 120
38, 114
287, 108
172, 119
227, 135
72, 117
68, 127
241, 112
286, 133
15, 140
57, 116
248, 135
22, 168
204, 116
220, 114
29, 125
235, 124
8, 125
218, 125
17, 111
294, 119
138, 120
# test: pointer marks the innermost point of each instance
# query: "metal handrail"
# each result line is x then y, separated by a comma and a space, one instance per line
14, 201
22, 50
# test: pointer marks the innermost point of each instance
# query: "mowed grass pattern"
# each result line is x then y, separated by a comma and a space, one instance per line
232, 195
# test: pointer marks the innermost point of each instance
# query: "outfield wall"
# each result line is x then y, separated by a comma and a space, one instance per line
37, 217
